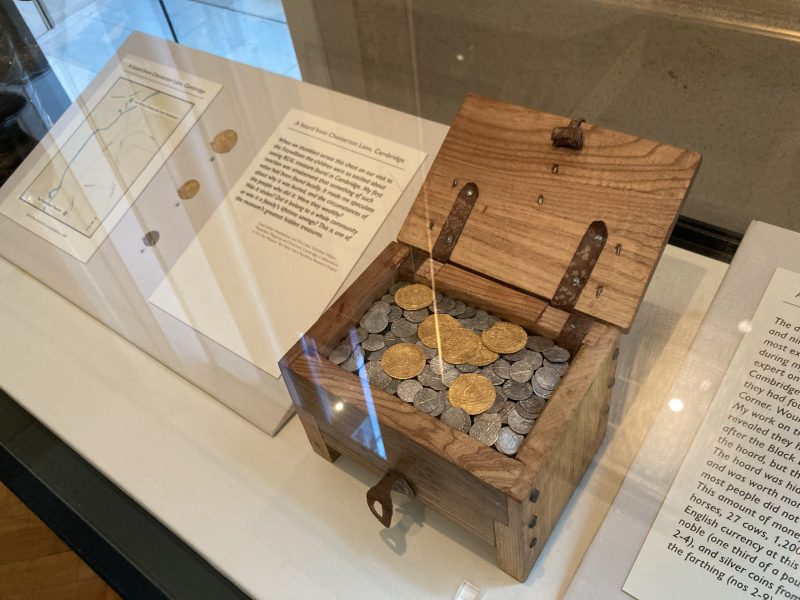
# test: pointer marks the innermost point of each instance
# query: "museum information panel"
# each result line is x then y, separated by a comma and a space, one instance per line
730, 525
97, 164
274, 253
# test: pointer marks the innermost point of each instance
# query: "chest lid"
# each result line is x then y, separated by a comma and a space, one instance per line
536, 205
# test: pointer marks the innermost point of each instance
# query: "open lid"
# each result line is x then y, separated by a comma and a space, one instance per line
536, 202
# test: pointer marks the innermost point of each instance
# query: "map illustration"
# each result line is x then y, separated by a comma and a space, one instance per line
105, 155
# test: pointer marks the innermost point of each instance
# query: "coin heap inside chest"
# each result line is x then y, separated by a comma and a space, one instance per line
477, 373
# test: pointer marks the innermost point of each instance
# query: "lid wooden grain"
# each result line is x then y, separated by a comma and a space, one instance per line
635, 186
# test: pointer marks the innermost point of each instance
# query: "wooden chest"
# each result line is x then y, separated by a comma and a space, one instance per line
560, 240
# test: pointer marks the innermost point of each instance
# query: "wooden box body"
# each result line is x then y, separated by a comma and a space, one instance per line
510, 503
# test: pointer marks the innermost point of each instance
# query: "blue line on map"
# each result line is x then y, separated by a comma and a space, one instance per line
56, 189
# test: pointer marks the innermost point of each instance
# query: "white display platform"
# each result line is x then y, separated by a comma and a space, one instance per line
269, 513
616, 545
121, 275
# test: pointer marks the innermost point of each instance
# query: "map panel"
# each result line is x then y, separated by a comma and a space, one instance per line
105, 155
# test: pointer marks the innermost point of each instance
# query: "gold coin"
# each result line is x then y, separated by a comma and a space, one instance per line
414, 296
427, 329
224, 141
458, 345
403, 361
472, 392
504, 337
483, 357
189, 189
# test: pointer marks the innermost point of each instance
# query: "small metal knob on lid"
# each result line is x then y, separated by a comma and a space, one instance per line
570, 136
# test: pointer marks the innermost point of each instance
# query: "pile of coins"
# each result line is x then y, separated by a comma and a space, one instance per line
479, 374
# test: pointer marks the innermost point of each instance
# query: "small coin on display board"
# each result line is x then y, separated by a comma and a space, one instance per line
224, 141
189, 189
403, 361
151, 238
414, 296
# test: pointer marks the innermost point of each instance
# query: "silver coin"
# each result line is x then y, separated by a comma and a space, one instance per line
489, 373
547, 377
533, 405
355, 361
388, 298
395, 312
459, 308
538, 343
494, 417
485, 431
381, 307
376, 375
517, 390
390, 339
450, 375
403, 328
413, 339
533, 358
376, 354
438, 364
482, 320
440, 404
373, 342
429, 353
361, 334
507, 408
416, 316
468, 314
539, 390
438, 296
524, 413
407, 389
457, 418
374, 321
467, 323
392, 387
445, 304
501, 367
557, 354
560, 367
492, 320
500, 399
341, 353
465, 368
519, 423
429, 378
425, 399
397, 286
515, 356
520, 371
430, 401
508, 442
